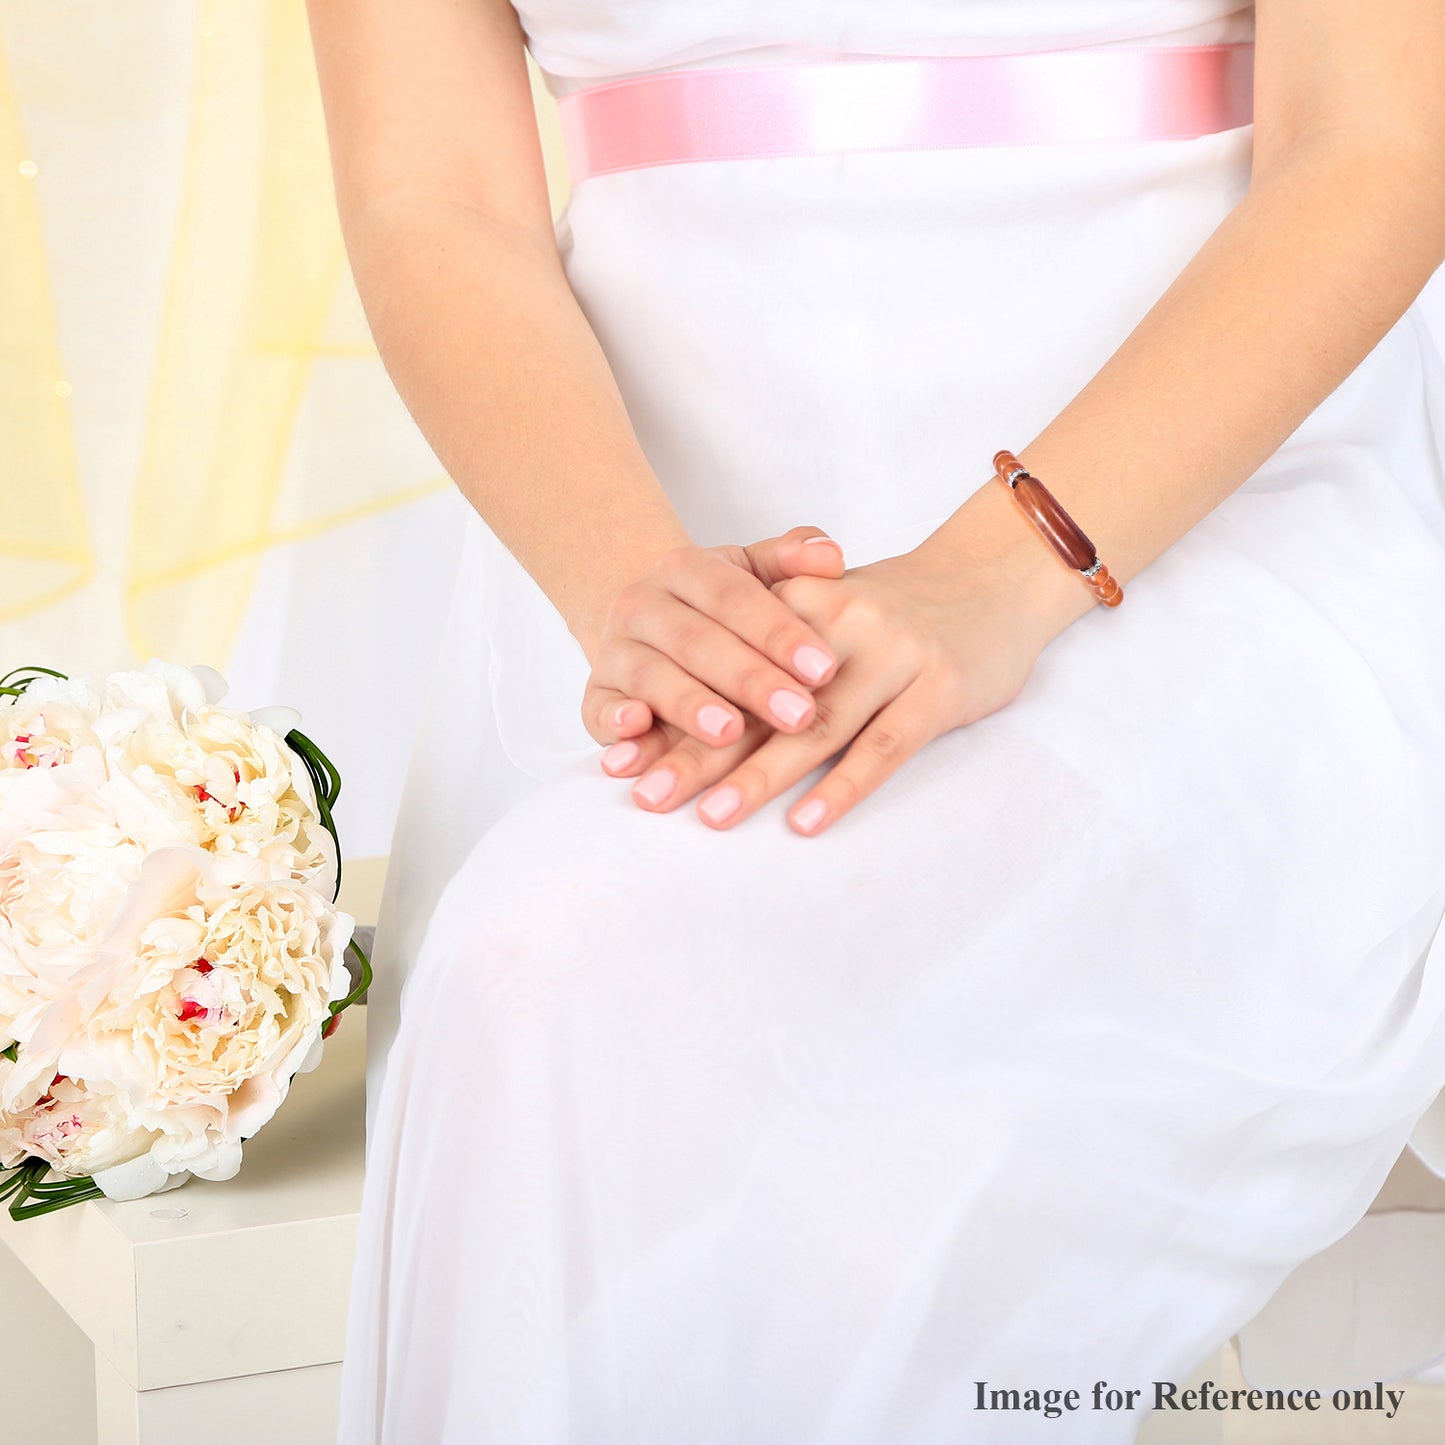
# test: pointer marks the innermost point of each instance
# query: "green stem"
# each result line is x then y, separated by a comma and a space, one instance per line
362, 984
326, 780
27, 676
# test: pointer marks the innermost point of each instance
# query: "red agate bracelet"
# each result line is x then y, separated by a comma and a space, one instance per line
1059, 529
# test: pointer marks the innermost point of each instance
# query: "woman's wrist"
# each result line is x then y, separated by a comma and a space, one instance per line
989, 537
584, 609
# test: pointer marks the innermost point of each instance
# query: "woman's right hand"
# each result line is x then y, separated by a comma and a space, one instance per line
700, 639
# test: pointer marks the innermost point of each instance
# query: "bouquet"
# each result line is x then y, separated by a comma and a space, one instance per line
169, 954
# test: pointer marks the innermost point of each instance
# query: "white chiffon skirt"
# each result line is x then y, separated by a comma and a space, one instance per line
1052, 1061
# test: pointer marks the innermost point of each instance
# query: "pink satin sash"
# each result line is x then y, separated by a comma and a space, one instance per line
836, 107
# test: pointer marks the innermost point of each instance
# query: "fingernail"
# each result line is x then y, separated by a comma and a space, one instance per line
713, 720
811, 661
789, 707
811, 541
656, 787
620, 716
620, 755
810, 814
718, 807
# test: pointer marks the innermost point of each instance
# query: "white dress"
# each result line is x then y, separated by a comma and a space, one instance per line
1050, 1061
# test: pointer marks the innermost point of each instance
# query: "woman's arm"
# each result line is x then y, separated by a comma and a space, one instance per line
443, 204
1343, 225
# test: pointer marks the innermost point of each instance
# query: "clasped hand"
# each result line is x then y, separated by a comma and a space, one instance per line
728, 673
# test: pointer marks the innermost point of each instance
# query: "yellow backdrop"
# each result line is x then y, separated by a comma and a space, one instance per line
192, 413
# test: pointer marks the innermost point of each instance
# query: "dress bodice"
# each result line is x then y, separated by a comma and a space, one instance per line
584, 41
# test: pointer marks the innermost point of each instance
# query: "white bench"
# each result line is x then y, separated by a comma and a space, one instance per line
217, 1311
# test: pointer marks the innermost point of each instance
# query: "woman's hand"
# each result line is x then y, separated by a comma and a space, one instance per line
925, 644
701, 640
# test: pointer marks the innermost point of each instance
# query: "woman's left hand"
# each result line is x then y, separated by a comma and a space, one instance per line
926, 642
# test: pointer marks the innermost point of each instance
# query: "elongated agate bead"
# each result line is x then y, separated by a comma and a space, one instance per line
1057, 528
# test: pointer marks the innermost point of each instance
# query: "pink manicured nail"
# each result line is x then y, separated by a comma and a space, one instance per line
814, 541
656, 787
619, 717
713, 720
810, 814
718, 807
789, 707
812, 661
620, 755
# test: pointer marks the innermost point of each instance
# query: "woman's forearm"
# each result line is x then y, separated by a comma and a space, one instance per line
494, 359
1282, 302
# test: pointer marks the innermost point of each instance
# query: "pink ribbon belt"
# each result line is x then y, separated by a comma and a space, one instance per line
843, 106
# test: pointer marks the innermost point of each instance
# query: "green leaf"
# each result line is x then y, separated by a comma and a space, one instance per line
19, 678
11, 1181
81, 1191
31, 1194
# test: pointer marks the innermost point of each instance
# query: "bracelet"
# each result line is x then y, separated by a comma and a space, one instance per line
1059, 529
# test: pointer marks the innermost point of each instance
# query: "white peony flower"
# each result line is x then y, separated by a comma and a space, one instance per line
167, 956
161, 689
207, 997
76, 1129
65, 866
238, 786
137, 1178
47, 724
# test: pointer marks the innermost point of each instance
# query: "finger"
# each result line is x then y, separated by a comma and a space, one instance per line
717, 657
610, 715
630, 757
803, 550
733, 596
681, 771
892, 736
674, 695
841, 710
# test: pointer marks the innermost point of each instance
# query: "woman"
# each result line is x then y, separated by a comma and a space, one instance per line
941, 982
